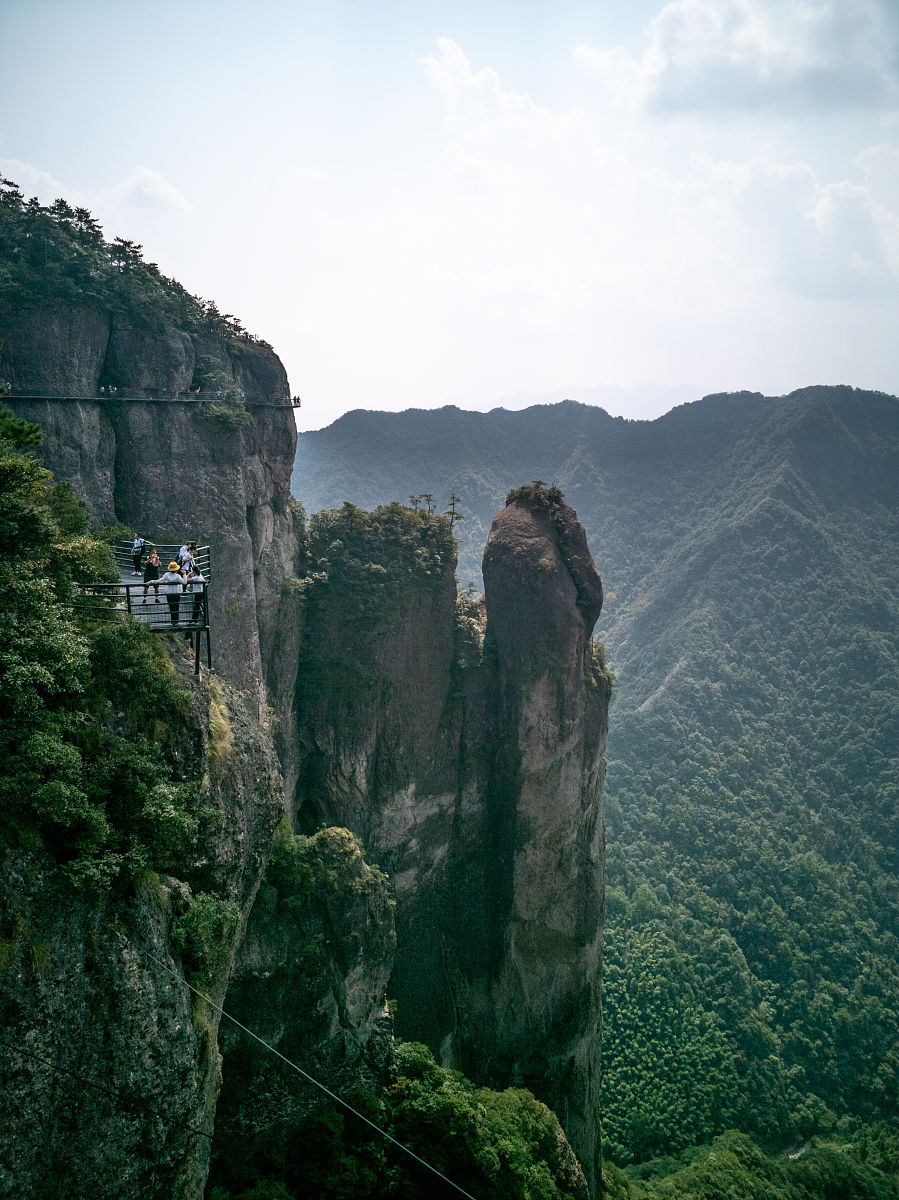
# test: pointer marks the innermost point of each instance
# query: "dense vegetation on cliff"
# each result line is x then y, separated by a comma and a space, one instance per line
357, 569
495, 1145
88, 713
56, 254
751, 591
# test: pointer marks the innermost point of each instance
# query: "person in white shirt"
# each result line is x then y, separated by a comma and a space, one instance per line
172, 584
137, 553
186, 560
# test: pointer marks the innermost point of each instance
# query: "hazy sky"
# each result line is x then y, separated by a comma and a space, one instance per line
420, 203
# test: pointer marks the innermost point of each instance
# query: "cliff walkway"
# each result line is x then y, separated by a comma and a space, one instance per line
185, 611
159, 397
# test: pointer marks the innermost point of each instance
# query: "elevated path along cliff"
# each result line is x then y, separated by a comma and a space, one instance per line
159, 397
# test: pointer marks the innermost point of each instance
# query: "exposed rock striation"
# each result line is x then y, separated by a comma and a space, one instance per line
472, 770
171, 470
90, 995
66, 350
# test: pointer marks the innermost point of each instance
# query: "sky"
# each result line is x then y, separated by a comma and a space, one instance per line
422, 203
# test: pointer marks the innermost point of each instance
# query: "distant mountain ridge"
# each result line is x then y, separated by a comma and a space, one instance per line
642, 401
747, 547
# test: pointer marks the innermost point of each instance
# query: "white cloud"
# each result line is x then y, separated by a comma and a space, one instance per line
33, 181
815, 239
543, 208
145, 188
142, 190
584, 257
731, 55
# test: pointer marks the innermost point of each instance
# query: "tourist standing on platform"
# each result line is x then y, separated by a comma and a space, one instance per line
137, 552
151, 572
172, 583
195, 584
186, 560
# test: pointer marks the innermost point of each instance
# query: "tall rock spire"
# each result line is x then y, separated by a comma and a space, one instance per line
548, 717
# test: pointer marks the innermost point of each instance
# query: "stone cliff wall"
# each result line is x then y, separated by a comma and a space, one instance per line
71, 351
117, 1092
169, 470
310, 978
110, 1065
474, 781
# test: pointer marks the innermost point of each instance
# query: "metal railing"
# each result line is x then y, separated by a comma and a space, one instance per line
185, 610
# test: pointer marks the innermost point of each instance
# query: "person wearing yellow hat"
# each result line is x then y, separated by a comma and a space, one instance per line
172, 583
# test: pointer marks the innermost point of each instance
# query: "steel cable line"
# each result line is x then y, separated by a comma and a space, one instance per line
159, 962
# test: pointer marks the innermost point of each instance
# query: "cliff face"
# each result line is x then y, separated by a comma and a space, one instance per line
169, 471
70, 351
474, 781
110, 1064
477, 785
92, 999
310, 979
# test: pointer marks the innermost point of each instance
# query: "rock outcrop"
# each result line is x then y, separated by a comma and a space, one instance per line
92, 999
470, 762
539, 1011
475, 782
173, 470
310, 979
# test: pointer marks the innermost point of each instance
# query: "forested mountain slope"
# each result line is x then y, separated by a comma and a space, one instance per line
747, 545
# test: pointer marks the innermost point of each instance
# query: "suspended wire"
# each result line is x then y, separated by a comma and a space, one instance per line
337, 1099
100, 1087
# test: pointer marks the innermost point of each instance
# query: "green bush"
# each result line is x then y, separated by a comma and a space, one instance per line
733, 1168
88, 717
495, 1145
202, 934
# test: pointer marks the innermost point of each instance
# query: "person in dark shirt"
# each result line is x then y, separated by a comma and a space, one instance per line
151, 572
195, 582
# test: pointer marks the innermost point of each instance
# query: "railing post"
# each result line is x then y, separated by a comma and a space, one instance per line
128, 597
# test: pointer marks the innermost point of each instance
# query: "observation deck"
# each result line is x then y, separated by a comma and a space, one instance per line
185, 611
